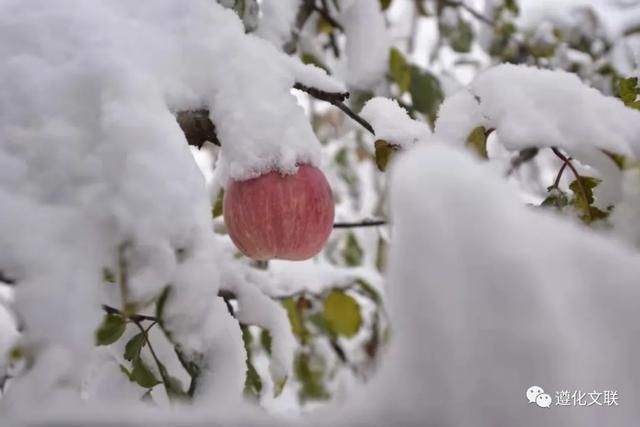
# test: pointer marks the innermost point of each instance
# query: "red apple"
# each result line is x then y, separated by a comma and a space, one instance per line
280, 216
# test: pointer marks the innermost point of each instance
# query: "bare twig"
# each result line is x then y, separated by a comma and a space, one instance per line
159, 365
570, 165
322, 95
326, 15
337, 99
556, 183
524, 156
134, 317
365, 223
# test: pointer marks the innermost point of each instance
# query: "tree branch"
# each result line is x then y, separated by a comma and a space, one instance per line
337, 99
326, 15
524, 156
365, 223
197, 127
134, 317
578, 177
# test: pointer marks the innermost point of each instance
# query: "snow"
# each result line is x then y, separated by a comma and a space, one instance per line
277, 20
367, 44
626, 216
392, 123
516, 99
488, 296
615, 17
474, 328
256, 308
459, 114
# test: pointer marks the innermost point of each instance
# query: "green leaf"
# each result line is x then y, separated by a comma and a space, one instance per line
125, 371
584, 192
252, 382
358, 98
218, 205
477, 141
162, 300
384, 151
142, 375
323, 26
384, 4
111, 329
399, 70
342, 313
381, 255
583, 200
352, 252
461, 37
369, 291
618, 159
310, 59
108, 276
556, 199
134, 346
512, 5
426, 92
278, 385
318, 320
629, 91
265, 340
310, 376
295, 318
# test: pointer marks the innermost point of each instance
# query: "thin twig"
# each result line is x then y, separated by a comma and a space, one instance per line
365, 223
324, 12
524, 156
161, 369
134, 317
322, 94
556, 183
567, 162
337, 99
326, 15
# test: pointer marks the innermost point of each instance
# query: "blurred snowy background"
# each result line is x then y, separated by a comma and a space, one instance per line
462, 231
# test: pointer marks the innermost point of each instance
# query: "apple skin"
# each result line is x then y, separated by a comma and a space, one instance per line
280, 216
